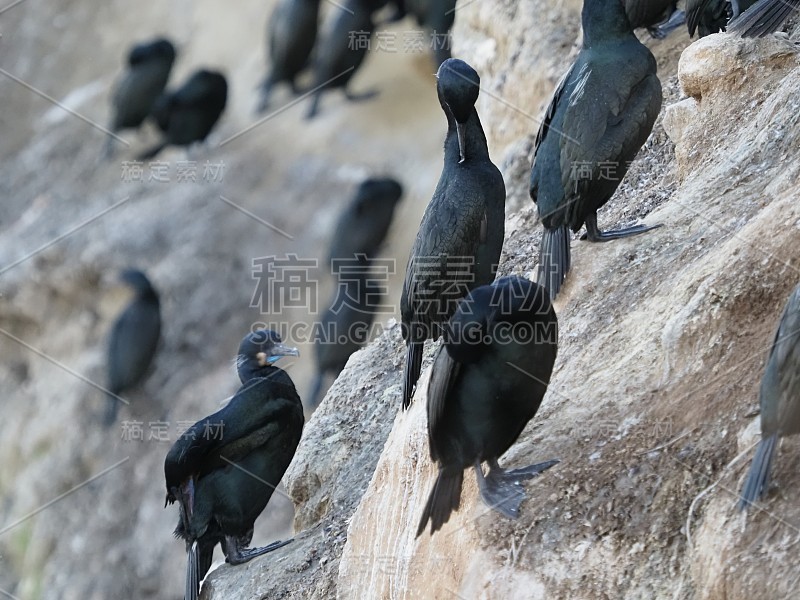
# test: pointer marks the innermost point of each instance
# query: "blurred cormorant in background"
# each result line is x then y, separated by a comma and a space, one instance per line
133, 340
188, 114
292, 32
341, 50
149, 66
364, 223
344, 327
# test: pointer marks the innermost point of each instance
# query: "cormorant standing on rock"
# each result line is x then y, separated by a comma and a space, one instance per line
363, 225
133, 340
342, 49
149, 66
461, 235
345, 327
712, 16
224, 468
292, 31
188, 114
601, 114
779, 399
762, 17
487, 382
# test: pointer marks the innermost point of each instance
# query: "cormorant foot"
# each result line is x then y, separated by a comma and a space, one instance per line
502, 490
362, 96
532, 471
606, 236
236, 555
662, 30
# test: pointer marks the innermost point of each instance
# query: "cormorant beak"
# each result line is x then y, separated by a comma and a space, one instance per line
461, 131
276, 352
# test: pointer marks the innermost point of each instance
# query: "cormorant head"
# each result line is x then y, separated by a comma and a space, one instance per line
137, 281
489, 313
385, 191
458, 86
603, 19
158, 49
258, 351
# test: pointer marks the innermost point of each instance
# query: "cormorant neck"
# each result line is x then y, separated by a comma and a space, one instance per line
604, 20
251, 370
148, 294
474, 138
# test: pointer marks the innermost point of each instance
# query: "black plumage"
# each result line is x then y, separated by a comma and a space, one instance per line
344, 327
761, 18
188, 114
461, 235
779, 399
601, 114
341, 50
712, 16
223, 470
364, 223
487, 382
437, 17
149, 66
657, 16
133, 341
291, 34
359, 233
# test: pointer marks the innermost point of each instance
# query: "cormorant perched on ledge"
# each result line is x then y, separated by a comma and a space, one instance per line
601, 114
779, 398
461, 235
224, 468
487, 382
133, 340
188, 114
149, 66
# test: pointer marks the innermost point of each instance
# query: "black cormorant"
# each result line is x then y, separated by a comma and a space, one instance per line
601, 114
292, 32
461, 235
133, 340
341, 50
487, 381
364, 223
188, 114
149, 66
437, 17
344, 327
223, 469
779, 398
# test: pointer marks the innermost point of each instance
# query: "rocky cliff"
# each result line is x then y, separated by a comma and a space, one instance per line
663, 338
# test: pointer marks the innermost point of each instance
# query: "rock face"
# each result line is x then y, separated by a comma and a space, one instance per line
663, 339
663, 342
